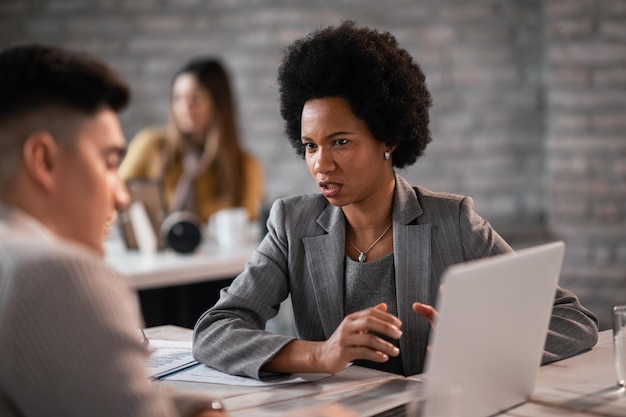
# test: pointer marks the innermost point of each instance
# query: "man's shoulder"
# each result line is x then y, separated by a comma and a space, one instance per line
29, 255
55, 275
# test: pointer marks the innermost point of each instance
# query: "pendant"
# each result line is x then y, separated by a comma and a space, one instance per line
362, 257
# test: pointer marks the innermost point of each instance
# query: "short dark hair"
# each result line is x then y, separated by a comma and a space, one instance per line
383, 84
36, 76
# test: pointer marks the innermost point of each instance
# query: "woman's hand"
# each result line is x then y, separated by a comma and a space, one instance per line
426, 311
356, 338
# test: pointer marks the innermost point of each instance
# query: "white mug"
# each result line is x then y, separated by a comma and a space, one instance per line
229, 226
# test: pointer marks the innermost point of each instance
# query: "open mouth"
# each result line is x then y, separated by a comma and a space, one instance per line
330, 189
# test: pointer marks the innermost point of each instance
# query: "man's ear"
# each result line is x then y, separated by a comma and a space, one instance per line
40, 153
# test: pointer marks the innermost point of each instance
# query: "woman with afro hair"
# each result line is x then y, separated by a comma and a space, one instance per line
363, 258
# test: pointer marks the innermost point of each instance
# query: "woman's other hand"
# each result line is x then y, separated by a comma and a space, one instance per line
426, 311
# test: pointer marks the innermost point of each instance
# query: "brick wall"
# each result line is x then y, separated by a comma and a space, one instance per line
585, 142
528, 114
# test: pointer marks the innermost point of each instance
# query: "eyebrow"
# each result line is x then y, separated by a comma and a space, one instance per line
332, 135
120, 150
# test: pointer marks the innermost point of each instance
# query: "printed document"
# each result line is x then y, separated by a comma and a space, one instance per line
172, 360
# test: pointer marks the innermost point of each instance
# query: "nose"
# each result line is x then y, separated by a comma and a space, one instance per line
182, 106
122, 198
324, 161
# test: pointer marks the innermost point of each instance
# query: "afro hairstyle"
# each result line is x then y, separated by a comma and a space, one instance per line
382, 83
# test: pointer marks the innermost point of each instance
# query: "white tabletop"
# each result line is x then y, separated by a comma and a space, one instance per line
168, 268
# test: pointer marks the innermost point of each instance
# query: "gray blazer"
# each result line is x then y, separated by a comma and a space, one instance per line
303, 255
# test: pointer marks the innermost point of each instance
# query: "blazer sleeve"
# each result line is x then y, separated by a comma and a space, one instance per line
572, 329
230, 336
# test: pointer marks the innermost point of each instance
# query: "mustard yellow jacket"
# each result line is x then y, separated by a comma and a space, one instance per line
144, 159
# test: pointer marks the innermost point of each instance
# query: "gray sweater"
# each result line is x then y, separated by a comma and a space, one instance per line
69, 340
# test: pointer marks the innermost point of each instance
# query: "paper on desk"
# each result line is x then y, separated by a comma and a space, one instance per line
172, 360
203, 373
167, 357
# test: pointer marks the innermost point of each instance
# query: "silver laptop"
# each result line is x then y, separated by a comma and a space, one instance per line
486, 348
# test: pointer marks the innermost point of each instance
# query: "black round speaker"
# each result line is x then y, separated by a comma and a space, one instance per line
181, 231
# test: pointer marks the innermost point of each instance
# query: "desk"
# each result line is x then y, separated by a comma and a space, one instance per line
580, 386
168, 268
585, 383
177, 288
276, 400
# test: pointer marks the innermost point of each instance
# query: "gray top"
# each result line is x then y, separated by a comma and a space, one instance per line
366, 285
370, 283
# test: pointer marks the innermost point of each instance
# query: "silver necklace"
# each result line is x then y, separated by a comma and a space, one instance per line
363, 253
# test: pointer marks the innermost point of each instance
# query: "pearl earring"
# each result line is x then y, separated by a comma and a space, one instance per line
387, 155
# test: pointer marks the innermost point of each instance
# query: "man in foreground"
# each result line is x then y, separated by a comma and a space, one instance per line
69, 327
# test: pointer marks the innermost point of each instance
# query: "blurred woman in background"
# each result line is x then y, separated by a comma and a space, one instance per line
203, 169
198, 156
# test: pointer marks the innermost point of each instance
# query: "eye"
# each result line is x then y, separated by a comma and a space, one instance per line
113, 160
309, 146
197, 99
341, 142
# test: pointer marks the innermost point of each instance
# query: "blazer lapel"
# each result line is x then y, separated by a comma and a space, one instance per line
411, 241
325, 257
325, 262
